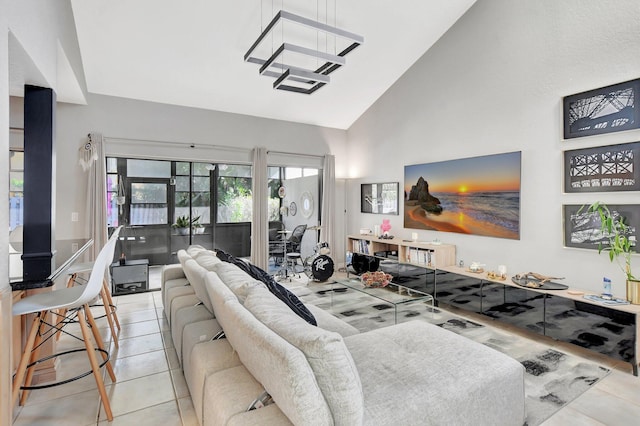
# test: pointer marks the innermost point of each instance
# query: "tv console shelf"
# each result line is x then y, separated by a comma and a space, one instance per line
611, 330
422, 254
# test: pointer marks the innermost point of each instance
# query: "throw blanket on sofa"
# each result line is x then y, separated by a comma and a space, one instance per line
278, 290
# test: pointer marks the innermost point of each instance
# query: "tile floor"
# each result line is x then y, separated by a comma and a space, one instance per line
151, 389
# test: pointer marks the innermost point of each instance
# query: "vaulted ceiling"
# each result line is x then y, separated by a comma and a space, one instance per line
190, 52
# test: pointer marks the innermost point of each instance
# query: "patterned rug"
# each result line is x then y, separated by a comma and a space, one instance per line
552, 379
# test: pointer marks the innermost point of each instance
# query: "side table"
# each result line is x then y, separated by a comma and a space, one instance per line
131, 277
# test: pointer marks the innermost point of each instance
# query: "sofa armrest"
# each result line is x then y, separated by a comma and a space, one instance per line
171, 272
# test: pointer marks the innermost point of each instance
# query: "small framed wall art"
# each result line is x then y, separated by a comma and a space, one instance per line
603, 169
582, 229
379, 198
608, 109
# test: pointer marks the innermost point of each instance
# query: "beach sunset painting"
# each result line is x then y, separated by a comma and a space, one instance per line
478, 195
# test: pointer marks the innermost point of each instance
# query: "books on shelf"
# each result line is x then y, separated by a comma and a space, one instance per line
421, 256
362, 246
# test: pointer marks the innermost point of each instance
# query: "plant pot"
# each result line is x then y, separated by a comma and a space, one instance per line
182, 231
633, 291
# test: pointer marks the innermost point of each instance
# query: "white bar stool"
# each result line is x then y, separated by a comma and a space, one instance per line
75, 301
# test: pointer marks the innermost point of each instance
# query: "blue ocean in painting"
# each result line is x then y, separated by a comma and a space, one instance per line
499, 208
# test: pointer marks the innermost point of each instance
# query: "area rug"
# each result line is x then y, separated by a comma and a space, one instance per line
552, 379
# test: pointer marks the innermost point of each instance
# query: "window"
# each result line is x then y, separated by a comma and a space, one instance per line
234, 193
112, 192
148, 204
274, 181
182, 190
16, 189
201, 192
148, 168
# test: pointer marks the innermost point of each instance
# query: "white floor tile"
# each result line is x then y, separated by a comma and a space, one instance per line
162, 414
140, 345
74, 410
134, 395
139, 329
132, 367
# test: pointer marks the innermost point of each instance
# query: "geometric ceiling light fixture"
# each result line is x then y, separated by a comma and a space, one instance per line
297, 63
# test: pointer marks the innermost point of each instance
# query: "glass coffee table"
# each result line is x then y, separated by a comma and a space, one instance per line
394, 294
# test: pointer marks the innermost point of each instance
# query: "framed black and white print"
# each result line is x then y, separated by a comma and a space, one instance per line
607, 109
603, 169
380, 198
582, 229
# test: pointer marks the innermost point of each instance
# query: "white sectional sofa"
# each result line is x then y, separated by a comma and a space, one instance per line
413, 373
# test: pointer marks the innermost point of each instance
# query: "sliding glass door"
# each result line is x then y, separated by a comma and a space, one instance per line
167, 205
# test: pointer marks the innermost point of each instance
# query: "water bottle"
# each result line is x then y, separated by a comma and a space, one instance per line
606, 283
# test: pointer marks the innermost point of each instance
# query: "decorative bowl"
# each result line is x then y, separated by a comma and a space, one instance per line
376, 279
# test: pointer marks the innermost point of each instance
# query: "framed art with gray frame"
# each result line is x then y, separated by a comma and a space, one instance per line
603, 169
379, 198
582, 229
605, 110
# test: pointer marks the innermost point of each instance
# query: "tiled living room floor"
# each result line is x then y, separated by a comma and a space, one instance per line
151, 389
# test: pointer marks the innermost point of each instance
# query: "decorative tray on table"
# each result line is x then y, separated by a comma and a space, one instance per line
537, 281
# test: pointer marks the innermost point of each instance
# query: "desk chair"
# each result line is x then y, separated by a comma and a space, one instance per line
105, 294
76, 301
293, 253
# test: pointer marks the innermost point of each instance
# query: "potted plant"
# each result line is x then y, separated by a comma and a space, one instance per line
182, 225
196, 226
620, 247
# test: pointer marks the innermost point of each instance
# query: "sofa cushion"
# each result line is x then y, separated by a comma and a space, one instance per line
280, 367
194, 334
183, 256
193, 249
237, 280
218, 291
205, 359
174, 292
281, 293
329, 322
195, 274
170, 273
208, 260
435, 375
183, 314
325, 351
229, 392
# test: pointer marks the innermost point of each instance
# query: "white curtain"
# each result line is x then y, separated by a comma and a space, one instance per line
327, 232
93, 160
259, 223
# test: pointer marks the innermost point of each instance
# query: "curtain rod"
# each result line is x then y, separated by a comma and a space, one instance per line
295, 154
179, 144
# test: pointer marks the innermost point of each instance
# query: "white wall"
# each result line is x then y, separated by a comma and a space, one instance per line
494, 83
131, 119
40, 27
294, 189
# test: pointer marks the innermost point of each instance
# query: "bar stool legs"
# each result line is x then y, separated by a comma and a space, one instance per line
109, 307
26, 356
94, 362
26, 367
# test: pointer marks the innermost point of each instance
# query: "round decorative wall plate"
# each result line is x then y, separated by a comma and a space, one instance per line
306, 201
293, 208
282, 192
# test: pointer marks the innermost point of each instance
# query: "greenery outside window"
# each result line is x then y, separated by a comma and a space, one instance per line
149, 204
234, 194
